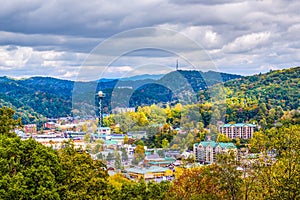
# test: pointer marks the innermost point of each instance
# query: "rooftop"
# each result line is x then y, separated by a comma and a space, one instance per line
223, 145
151, 169
238, 125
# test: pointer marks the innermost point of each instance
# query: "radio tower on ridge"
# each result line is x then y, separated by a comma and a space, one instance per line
177, 65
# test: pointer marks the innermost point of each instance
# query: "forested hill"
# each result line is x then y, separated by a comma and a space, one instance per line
39, 97
267, 100
263, 97
275, 88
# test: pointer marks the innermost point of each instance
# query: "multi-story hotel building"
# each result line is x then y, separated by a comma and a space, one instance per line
206, 151
239, 130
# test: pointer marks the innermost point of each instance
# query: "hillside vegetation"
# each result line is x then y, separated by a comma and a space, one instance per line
39, 97
268, 100
259, 97
263, 96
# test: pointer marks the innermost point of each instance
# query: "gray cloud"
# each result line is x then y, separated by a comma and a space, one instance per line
54, 37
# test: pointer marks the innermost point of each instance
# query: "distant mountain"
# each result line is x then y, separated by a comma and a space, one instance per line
197, 79
106, 80
59, 87
143, 77
133, 78
39, 97
175, 85
36, 98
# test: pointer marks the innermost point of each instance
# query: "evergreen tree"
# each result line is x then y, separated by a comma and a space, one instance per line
110, 157
118, 162
124, 154
7, 121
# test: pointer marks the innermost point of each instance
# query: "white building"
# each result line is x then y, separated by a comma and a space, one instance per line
119, 110
206, 151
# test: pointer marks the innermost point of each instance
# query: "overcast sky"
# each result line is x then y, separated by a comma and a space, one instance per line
55, 38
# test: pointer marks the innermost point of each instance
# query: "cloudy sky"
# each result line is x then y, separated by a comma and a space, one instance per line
67, 38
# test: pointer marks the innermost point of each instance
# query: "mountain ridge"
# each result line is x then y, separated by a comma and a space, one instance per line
38, 97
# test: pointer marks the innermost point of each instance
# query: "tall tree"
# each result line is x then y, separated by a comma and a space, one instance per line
29, 170
118, 162
85, 178
165, 143
139, 154
196, 183
124, 154
280, 174
7, 121
229, 177
110, 157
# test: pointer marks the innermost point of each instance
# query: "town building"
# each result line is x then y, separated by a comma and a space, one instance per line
206, 151
151, 173
129, 149
104, 130
30, 128
119, 110
138, 134
155, 160
74, 135
110, 144
239, 130
50, 140
119, 138
50, 125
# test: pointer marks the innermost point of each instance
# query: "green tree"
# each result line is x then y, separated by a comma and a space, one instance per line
139, 154
100, 156
85, 128
279, 177
142, 190
29, 170
139, 142
110, 157
158, 191
126, 139
165, 143
85, 178
230, 179
7, 121
118, 162
223, 138
189, 140
97, 148
124, 154
87, 138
